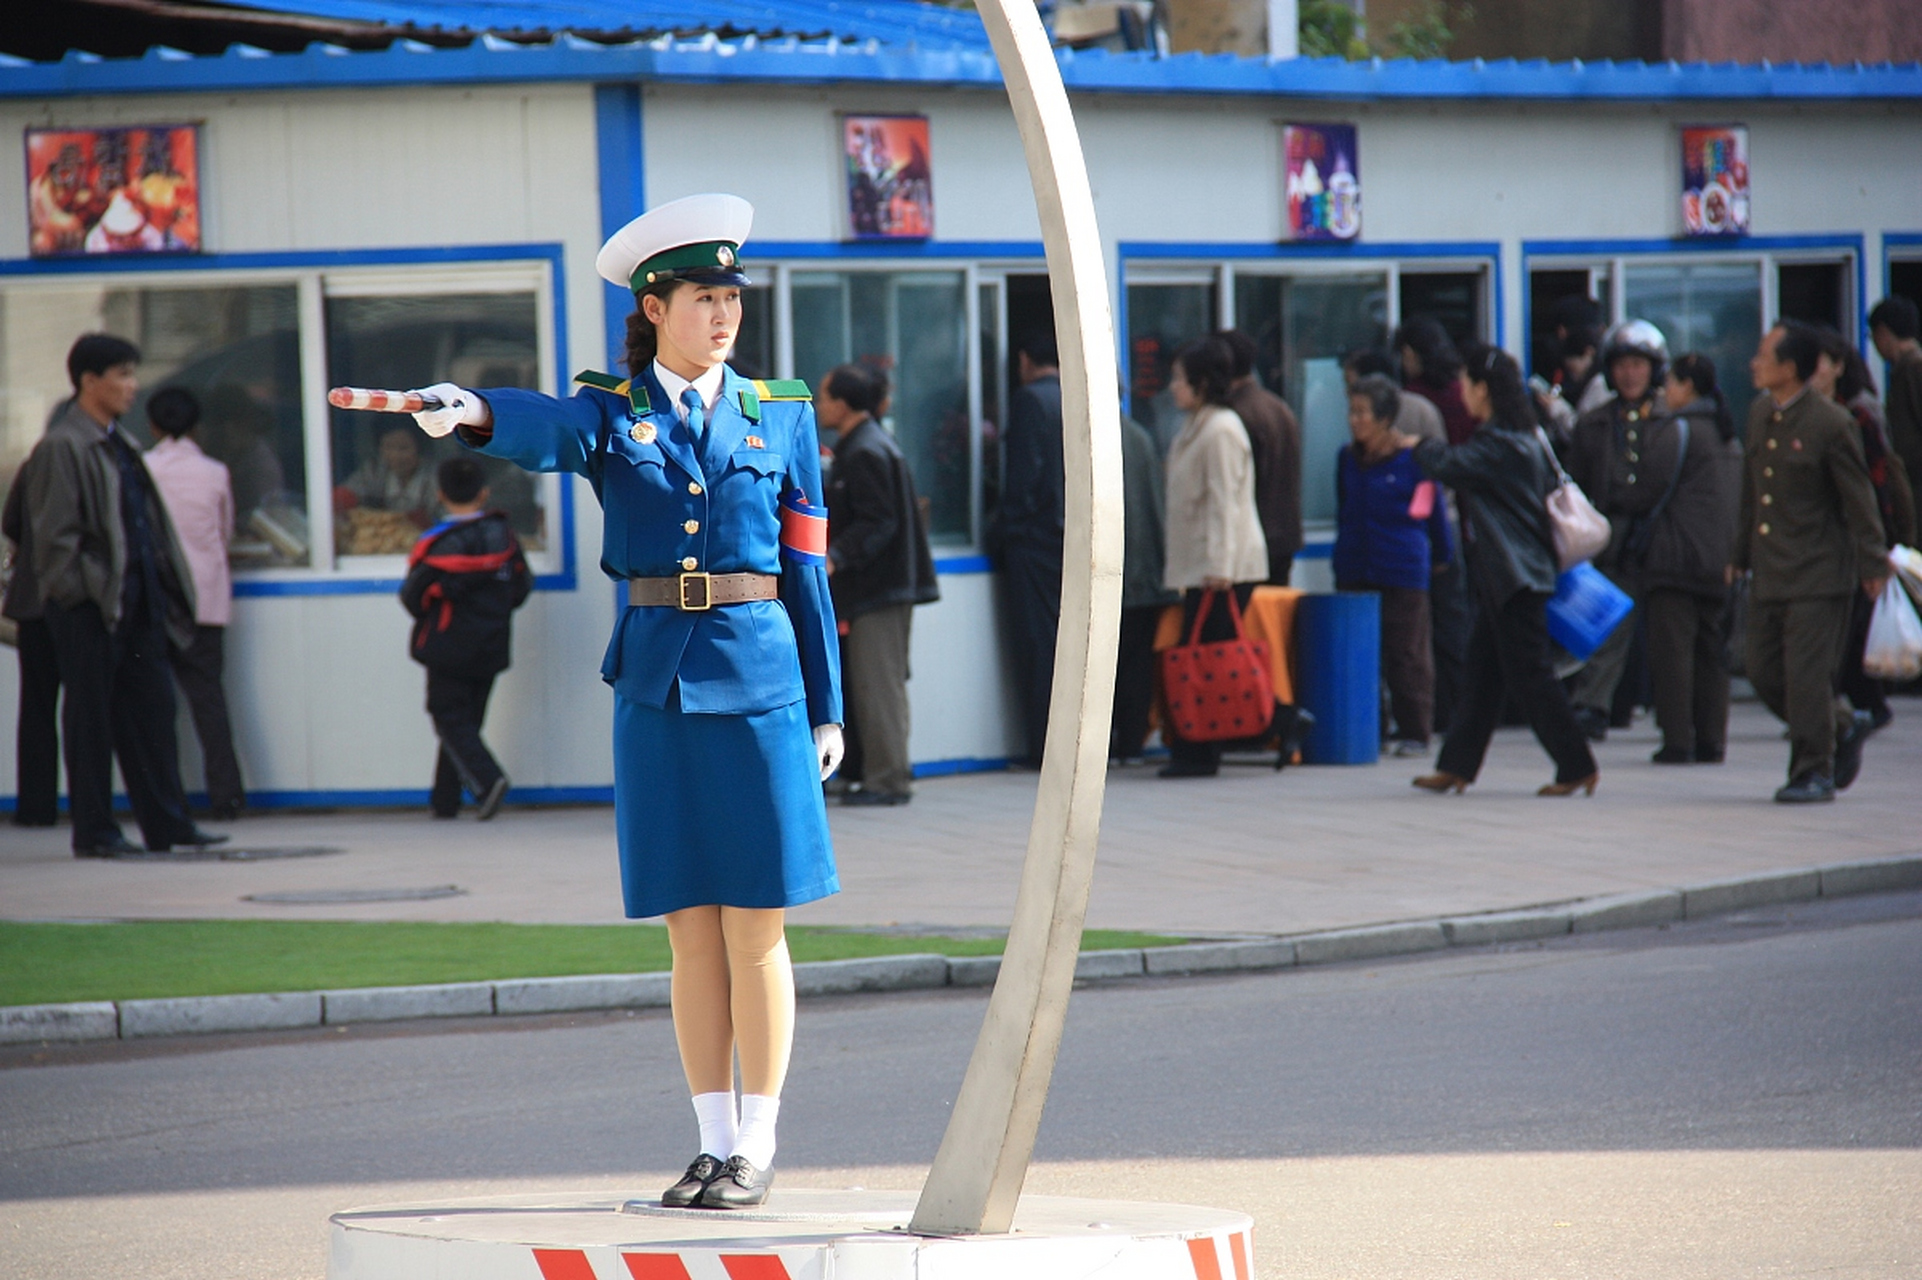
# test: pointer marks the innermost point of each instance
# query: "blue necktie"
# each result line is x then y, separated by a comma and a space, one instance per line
696, 415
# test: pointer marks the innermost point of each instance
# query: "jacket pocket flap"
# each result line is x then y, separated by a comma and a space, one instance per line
758, 460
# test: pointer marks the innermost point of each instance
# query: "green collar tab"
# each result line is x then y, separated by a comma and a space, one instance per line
709, 255
636, 392
750, 405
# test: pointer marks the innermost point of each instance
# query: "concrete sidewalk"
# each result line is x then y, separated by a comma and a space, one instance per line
1249, 852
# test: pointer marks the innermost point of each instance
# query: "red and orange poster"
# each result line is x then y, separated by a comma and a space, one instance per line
1715, 180
890, 177
127, 190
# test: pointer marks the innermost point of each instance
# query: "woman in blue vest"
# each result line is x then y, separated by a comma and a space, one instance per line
727, 699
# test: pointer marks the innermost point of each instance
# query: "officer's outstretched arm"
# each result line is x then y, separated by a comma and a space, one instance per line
541, 433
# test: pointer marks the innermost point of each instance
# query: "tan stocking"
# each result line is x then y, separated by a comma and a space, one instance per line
733, 988
703, 1026
762, 982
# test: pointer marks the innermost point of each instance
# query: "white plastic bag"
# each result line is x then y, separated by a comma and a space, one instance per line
1907, 563
1894, 649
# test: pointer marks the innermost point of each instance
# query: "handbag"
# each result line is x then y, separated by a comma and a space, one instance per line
1893, 650
1580, 531
1585, 610
1219, 691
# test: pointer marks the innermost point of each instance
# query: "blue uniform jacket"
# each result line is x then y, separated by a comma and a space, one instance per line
672, 507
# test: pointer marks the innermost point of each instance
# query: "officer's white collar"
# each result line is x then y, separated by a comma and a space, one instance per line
708, 384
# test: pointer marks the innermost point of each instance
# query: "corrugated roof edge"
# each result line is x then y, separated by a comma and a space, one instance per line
791, 60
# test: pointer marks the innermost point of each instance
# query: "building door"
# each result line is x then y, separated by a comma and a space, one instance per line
1452, 297
1814, 293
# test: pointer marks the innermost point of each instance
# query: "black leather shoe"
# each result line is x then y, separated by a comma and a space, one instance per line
1709, 755
1672, 755
1185, 771
1848, 749
490, 804
118, 847
684, 1193
1810, 788
199, 839
739, 1185
864, 798
1593, 722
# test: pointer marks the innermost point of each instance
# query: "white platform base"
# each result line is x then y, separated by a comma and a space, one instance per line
797, 1235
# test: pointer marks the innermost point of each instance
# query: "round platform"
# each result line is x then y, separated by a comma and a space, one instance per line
797, 1235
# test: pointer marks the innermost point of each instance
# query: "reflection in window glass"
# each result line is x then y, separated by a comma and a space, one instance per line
1162, 318
1302, 327
913, 324
236, 349
384, 490
1714, 308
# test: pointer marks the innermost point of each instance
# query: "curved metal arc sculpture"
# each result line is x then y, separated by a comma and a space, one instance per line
983, 1159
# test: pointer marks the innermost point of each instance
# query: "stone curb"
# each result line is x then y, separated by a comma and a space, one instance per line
191, 1015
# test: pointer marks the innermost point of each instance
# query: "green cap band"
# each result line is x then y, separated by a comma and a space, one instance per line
711, 255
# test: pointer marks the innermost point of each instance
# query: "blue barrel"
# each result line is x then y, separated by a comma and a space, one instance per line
1338, 676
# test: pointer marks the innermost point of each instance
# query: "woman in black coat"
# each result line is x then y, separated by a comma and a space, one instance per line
1502, 475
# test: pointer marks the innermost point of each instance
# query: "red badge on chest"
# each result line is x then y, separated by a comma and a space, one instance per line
1795, 445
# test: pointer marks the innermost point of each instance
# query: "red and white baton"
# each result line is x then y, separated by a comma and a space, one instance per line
382, 401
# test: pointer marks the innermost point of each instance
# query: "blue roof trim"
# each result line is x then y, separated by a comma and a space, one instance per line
797, 61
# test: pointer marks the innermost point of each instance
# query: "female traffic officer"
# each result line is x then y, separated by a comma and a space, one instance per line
724, 663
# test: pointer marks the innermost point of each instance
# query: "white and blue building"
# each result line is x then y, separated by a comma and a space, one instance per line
413, 213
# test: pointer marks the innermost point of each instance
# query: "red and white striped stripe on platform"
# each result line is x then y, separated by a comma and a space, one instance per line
802, 1235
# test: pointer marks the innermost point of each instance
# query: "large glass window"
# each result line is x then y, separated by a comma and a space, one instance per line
1710, 307
913, 324
235, 347
1162, 318
384, 491
1302, 327
244, 346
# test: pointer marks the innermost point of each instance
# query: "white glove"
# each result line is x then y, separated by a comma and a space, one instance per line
459, 407
829, 747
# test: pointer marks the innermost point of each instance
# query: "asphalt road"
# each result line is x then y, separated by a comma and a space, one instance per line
1734, 1097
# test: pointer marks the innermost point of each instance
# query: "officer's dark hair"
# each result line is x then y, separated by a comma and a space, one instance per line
858, 386
1208, 366
1384, 400
1040, 347
460, 479
173, 411
1898, 315
1800, 345
1241, 351
96, 353
1855, 378
1424, 335
1508, 401
1698, 371
642, 341
1366, 361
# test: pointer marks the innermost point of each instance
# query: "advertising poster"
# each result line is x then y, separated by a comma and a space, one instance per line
1323, 193
1715, 180
127, 190
890, 180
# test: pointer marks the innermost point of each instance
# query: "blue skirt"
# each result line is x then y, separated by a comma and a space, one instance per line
718, 809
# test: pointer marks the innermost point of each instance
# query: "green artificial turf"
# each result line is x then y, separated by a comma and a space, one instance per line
53, 963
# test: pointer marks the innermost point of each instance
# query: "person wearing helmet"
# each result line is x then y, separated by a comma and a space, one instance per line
1623, 454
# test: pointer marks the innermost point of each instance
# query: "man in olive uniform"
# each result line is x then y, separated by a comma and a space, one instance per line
1809, 534
1623, 454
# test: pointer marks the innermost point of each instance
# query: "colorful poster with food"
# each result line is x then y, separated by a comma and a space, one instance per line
890, 178
1715, 180
1323, 193
123, 190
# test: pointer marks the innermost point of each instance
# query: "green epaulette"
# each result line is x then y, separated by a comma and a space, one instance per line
778, 389
635, 392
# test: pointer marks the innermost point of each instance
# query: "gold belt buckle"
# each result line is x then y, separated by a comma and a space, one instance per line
706, 593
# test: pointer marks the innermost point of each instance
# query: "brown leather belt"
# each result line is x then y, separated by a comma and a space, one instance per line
695, 592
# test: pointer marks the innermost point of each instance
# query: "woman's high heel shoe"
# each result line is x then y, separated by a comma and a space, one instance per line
1570, 788
1442, 783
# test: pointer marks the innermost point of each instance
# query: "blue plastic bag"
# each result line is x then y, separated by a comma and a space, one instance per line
1585, 609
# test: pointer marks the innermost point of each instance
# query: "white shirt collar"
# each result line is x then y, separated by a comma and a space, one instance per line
708, 384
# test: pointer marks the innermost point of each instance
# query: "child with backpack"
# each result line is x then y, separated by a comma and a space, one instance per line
465, 578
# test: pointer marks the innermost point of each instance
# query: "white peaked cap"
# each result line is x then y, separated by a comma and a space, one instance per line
712, 219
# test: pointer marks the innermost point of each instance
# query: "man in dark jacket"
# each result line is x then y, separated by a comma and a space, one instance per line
1275, 437
879, 568
37, 736
465, 578
1809, 536
115, 588
1029, 532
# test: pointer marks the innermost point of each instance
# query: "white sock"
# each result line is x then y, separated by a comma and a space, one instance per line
755, 1142
715, 1111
